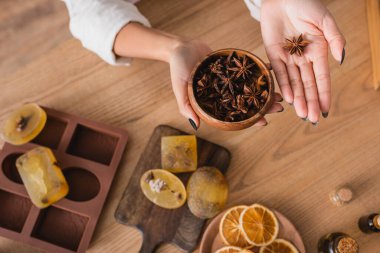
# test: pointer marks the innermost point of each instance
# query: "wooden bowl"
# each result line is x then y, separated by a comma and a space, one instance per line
211, 240
224, 125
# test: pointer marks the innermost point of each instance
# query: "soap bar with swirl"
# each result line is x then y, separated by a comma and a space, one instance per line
179, 153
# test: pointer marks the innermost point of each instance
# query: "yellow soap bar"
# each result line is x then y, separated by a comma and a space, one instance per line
179, 153
43, 179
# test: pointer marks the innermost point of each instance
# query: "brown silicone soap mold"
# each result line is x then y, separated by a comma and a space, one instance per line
88, 153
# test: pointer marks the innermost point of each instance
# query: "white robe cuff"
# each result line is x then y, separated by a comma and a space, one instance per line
254, 7
97, 23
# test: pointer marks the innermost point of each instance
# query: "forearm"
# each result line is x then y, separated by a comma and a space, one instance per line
137, 41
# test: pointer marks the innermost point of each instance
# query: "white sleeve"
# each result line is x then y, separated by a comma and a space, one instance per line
97, 22
254, 7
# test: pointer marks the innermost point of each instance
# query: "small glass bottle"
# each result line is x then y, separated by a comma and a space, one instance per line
370, 224
341, 196
337, 243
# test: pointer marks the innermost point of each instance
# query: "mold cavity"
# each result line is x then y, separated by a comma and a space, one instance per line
10, 169
14, 211
60, 227
92, 145
83, 185
51, 134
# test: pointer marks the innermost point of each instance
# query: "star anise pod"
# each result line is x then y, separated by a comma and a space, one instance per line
226, 98
264, 94
260, 82
229, 57
242, 67
296, 46
202, 86
216, 67
227, 83
251, 96
239, 104
232, 114
215, 84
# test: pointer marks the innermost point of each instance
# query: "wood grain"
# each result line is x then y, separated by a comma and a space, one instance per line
373, 14
160, 225
288, 165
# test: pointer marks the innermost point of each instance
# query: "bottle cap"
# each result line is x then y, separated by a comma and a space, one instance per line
347, 245
345, 194
376, 221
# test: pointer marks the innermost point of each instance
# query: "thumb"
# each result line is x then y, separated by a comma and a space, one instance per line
334, 37
181, 95
189, 113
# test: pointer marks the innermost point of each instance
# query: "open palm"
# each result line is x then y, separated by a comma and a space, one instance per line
303, 80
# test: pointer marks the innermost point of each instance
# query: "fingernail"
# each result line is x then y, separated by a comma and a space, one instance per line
282, 109
304, 119
325, 114
315, 123
343, 56
192, 123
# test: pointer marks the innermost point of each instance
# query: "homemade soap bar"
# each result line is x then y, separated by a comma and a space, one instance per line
179, 153
43, 179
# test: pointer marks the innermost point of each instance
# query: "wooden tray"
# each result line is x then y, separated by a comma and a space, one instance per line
157, 224
88, 153
211, 240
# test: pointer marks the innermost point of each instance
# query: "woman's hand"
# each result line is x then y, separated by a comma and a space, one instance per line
304, 80
182, 60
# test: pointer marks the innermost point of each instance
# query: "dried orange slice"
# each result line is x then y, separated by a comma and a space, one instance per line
163, 188
232, 249
229, 228
279, 246
259, 225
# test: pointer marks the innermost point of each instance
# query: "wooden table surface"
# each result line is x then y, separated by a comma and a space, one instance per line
288, 165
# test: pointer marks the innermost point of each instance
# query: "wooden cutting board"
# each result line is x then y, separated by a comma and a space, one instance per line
159, 225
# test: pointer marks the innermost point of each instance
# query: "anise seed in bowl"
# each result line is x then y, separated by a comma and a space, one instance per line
231, 89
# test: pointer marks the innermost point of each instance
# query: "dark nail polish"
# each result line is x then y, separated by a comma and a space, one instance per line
192, 123
343, 56
325, 114
315, 123
304, 119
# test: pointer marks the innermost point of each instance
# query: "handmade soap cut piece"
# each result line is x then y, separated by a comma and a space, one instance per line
23, 124
163, 188
179, 153
43, 179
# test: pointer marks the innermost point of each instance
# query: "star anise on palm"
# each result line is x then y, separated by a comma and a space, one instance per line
242, 67
296, 45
